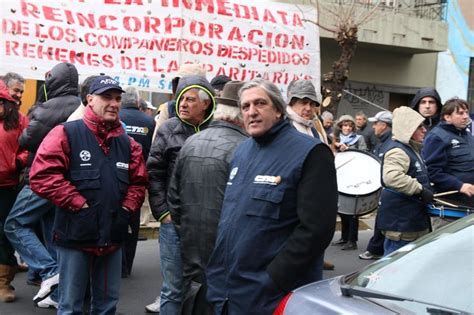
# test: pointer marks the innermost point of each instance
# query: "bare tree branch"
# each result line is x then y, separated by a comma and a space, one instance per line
370, 14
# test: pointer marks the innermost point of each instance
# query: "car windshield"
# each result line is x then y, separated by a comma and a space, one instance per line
438, 268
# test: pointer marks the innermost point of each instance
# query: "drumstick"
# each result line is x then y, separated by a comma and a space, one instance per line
445, 193
338, 167
445, 203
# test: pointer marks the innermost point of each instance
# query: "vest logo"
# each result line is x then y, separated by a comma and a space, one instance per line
85, 155
121, 165
418, 166
232, 174
137, 130
267, 180
455, 143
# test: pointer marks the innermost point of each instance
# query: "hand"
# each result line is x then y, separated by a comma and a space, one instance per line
426, 195
343, 147
467, 189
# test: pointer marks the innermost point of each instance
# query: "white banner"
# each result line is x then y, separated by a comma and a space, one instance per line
142, 43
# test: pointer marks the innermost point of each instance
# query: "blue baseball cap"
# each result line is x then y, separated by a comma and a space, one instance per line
104, 83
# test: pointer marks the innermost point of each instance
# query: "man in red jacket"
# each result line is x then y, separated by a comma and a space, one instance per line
96, 175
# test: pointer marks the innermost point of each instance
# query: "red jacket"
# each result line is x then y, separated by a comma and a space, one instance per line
52, 162
10, 151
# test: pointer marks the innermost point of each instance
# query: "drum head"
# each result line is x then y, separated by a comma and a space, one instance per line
358, 173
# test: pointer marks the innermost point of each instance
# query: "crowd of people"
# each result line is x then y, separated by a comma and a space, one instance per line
241, 178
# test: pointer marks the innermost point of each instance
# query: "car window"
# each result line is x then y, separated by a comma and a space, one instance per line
436, 269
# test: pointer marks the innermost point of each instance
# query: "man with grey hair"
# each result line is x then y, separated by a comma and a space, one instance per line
140, 127
195, 106
196, 192
328, 122
15, 84
277, 215
365, 130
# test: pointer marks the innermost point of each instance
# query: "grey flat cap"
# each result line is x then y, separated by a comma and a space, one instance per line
303, 88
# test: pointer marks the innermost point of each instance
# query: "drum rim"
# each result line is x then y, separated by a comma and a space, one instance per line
360, 195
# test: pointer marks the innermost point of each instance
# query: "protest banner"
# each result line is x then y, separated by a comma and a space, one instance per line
142, 43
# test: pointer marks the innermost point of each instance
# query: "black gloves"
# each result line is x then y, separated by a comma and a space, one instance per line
426, 196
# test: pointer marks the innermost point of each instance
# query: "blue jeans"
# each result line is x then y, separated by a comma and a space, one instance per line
390, 246
171, 270
77, 269
28, 211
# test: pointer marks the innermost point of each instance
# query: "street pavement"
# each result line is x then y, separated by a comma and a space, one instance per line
143, 285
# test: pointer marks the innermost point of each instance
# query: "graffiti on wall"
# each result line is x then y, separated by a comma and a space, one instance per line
372, 93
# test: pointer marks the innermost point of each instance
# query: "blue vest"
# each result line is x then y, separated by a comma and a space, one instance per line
103, 180
460, 152
397, 211
258, 215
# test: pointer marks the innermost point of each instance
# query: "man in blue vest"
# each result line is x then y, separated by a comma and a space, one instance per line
448, 151
278, 216
402, 217
96, 176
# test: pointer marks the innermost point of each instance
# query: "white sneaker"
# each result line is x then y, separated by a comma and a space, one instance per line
154, 307
47, 303
47, 286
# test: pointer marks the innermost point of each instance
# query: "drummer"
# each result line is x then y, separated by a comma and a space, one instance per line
345, 138
449, 155
402, 217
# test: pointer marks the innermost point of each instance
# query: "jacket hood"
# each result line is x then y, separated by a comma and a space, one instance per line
63, 80
405, 123
193, 82
423, 93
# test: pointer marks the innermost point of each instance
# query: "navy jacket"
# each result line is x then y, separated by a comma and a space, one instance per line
266, 243
383, 144
139, 126
103, 181
449, 156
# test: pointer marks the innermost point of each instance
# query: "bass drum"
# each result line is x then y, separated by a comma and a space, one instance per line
358, 182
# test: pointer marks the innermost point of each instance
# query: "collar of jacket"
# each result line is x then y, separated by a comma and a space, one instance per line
222, 123
97, 125
452, 128
273, 132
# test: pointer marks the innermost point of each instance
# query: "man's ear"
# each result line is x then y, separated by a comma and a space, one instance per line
89, 98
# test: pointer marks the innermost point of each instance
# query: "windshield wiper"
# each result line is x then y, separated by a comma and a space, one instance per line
348, 290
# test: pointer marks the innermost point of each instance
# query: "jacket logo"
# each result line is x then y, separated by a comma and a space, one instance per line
137, 130
85, 155
122, 165
232, 174
455, 143
267, 180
